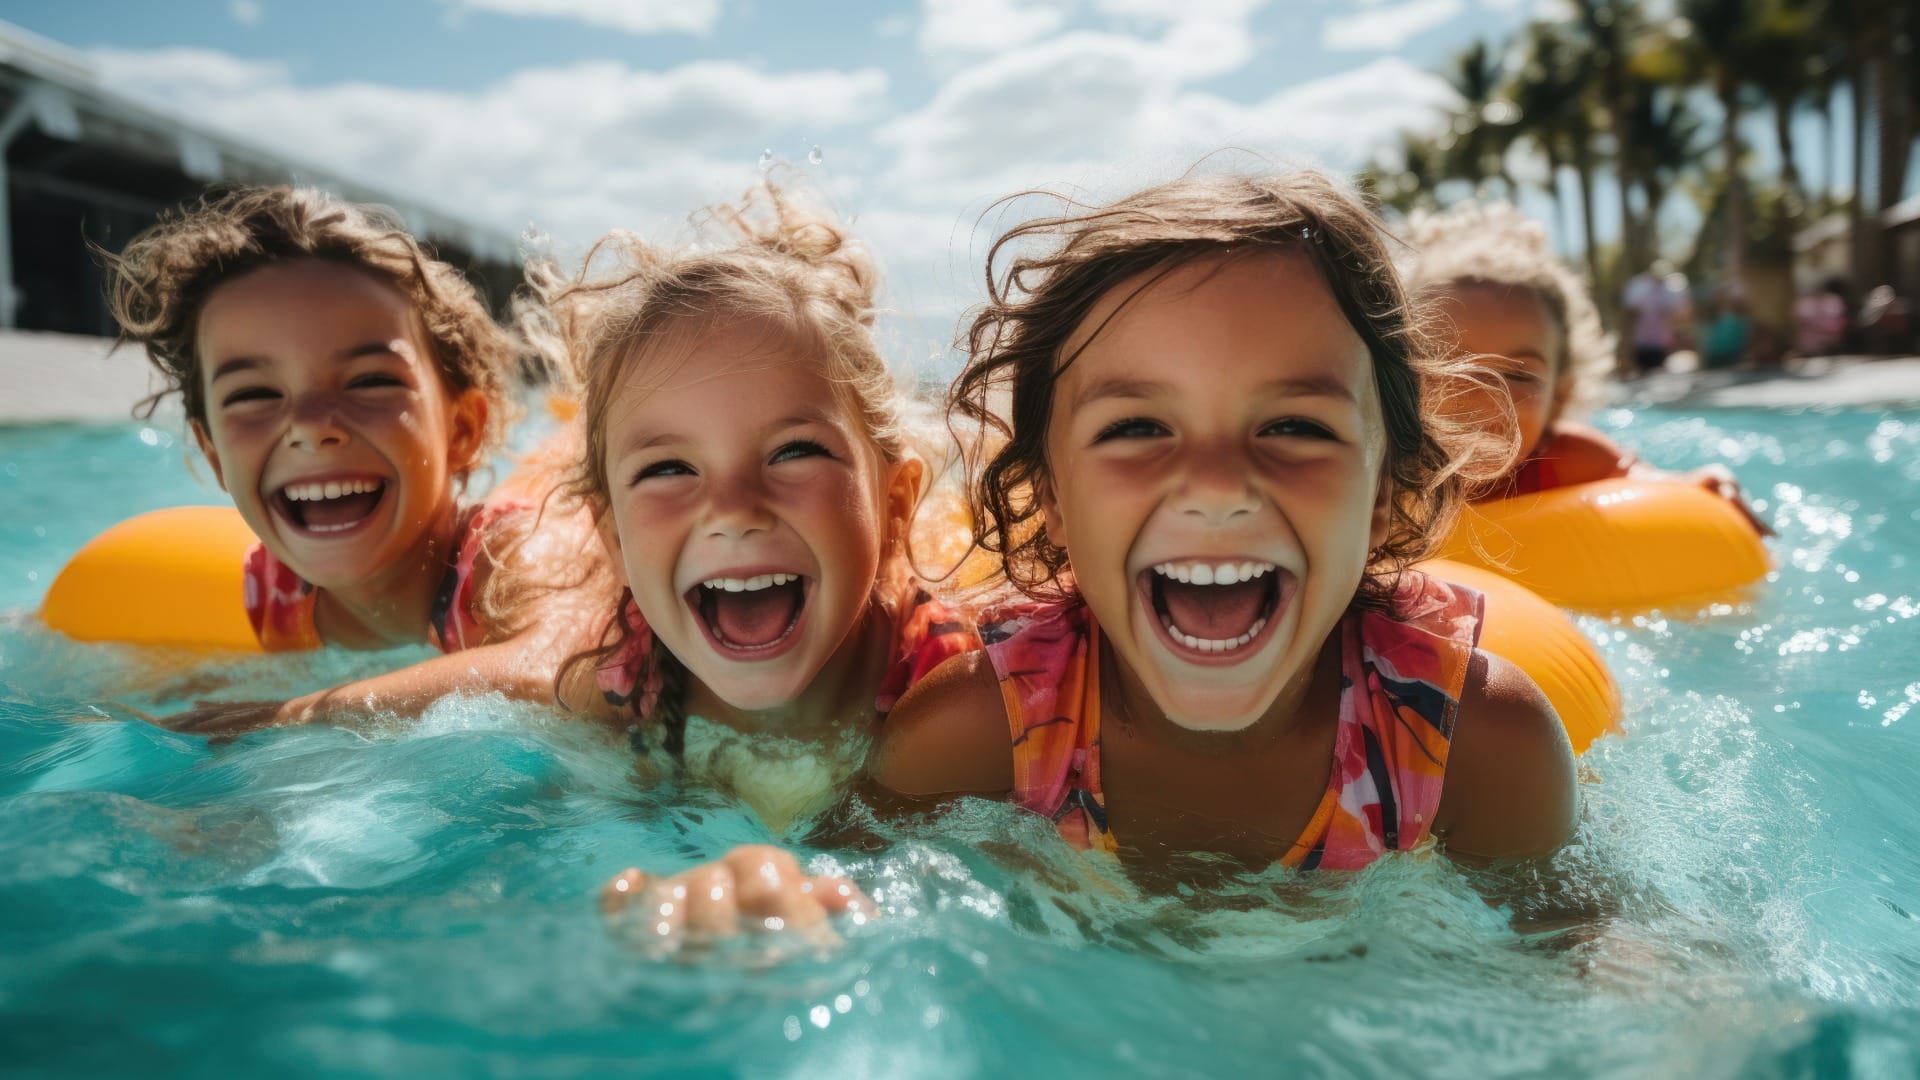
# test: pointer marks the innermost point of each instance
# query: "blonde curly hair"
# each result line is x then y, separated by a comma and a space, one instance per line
1493, 243
778, 262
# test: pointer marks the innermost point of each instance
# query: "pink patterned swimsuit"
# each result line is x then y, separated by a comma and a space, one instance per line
1401, 679
280, 605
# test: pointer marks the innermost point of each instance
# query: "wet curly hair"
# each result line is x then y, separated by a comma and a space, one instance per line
1045, 275
778, 262
159, 283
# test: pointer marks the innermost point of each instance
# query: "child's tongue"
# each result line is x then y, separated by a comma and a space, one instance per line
332, 513
752, 618
1215, 612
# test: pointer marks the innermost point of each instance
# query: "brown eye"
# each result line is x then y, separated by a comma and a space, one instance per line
670, 467
799, 448
1133, 427
1298, 428
250, 393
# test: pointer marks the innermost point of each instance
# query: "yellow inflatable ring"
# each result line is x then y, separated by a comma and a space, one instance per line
175, 577
1535, 637
1613, 545
168, 577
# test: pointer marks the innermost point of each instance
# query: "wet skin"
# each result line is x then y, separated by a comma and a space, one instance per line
1209, 422
318, 373
1511, 331
731, 456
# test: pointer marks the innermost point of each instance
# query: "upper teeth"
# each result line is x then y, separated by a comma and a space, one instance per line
331, 489
752, 584
1226, 573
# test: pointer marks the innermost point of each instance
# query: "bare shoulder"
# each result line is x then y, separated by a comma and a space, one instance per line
1584, 452
947, 735
1510, 781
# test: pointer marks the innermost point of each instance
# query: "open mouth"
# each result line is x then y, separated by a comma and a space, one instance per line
330, 508
1216, 612
750, 618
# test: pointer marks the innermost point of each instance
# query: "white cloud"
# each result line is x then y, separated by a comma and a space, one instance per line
245, 12
982, 26
578, 149
631, 16
1203, 37
596, 145
1386, 29
1064, 107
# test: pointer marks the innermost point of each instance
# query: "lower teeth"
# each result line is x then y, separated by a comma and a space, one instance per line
1214, 644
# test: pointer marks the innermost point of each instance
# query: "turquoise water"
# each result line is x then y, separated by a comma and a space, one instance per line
416, 899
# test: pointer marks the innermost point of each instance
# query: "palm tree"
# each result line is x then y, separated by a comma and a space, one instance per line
1665, 145
1783, 67
1407, 177
1608, 30
1721, 43
1551, 92
1482, 129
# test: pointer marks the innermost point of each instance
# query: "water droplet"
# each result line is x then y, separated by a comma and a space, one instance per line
766, 159
815, 156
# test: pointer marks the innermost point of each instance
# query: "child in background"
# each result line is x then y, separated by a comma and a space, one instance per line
753, 471
1730, 332
1513, 308
342, 385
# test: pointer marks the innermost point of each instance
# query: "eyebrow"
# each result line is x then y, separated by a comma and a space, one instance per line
1330, 386
251, 363
645, 441
1114, 387
1309, 386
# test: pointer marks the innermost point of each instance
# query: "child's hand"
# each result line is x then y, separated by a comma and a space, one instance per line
233, 717
753, 889
1719, 479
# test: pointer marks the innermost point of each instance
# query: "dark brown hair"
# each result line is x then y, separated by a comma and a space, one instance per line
1039, 299
159, 283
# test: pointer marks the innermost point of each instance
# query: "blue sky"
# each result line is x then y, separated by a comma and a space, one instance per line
578, 116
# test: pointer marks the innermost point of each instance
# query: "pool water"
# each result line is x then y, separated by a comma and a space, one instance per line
416, 899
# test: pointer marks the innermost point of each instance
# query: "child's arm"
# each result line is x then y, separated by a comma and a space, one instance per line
521, 668
1582, 453
947, 737
1510, 781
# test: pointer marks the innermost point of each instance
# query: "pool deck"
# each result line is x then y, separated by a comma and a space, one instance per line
1847, 382
63, 378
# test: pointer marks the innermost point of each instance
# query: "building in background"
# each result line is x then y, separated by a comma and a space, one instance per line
80, 163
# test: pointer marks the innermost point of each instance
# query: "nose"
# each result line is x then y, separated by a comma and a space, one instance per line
315, 424
737, 509
1216, 486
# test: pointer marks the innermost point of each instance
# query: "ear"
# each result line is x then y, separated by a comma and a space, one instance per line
1050, 516
609, 535
207, 451
903, 491
466, 430
1382, 512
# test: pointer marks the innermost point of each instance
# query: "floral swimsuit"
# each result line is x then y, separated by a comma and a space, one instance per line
1401, 678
